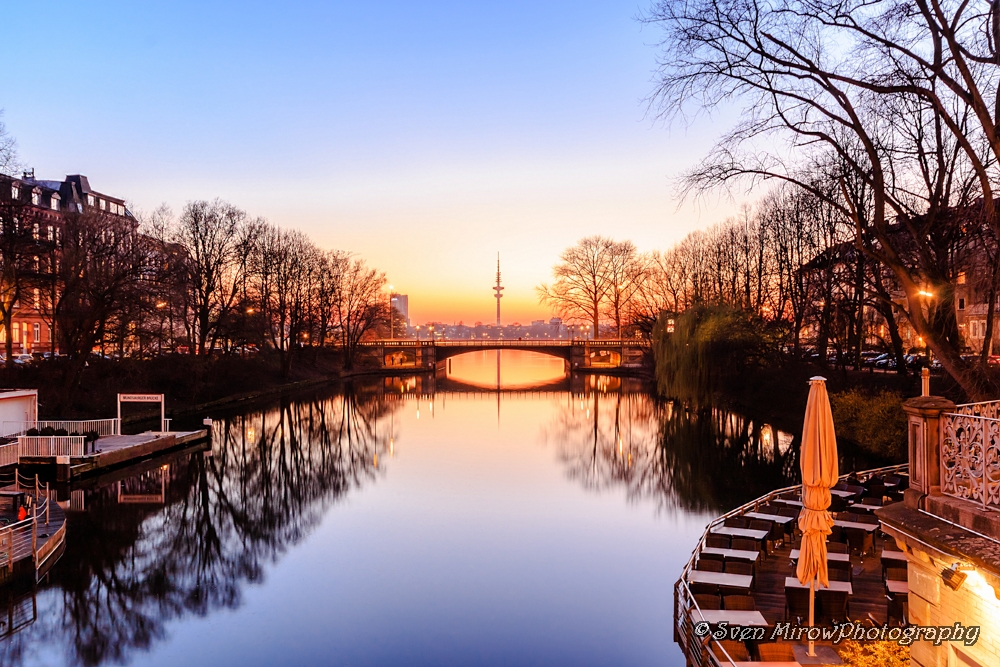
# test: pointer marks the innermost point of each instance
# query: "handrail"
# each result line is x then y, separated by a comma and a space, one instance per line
681, 614
509, 342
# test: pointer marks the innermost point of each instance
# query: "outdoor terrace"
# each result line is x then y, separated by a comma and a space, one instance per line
743, 571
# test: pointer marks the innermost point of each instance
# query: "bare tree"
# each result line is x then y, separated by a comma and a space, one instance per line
100, 261
359, 302
212, 235
896, 96
582, 282
9, 162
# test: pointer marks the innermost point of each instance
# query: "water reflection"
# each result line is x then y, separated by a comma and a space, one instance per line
488, 523
706, 459
186, 537
505, 369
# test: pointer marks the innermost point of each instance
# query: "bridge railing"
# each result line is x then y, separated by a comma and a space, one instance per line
509, 342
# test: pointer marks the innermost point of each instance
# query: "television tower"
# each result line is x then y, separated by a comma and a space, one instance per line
498, 288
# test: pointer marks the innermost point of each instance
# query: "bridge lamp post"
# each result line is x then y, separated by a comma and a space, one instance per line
390, 312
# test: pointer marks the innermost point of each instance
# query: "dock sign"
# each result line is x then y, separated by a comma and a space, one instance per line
144, 398
140, 398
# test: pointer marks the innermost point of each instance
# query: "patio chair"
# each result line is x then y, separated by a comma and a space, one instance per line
870, 519
768, 509
738, 567
832, 605
707, 565
873, 502
737, 651
837, 548
745, 544
700, 588
895, 574
788, 511
736, 522
796, 604
839, 573
708, 601
775, 533
711, 556
739, 602
717, 541
860, 540
775, 652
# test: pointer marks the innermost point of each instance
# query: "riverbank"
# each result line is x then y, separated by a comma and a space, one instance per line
191, 384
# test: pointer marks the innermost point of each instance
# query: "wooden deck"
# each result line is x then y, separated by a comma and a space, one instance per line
116, 450
868, 601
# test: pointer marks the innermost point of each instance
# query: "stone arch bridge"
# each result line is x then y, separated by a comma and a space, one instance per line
430, 355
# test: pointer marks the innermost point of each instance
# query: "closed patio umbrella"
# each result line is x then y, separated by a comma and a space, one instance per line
818, 459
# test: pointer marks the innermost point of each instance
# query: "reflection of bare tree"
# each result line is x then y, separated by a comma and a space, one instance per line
131, 568
705, 459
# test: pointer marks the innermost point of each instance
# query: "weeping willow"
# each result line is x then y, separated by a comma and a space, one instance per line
710, 348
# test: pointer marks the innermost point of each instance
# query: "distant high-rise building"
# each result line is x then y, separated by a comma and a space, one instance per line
498, 288
401, 302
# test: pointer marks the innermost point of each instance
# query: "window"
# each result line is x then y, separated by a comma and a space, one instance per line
961, 304
34, 231
38, 303
15, 191
36, 197
37, 333
90, 200
52, 233
961, 277
54, 199
35, 259
975, 329
16, 330
101, 204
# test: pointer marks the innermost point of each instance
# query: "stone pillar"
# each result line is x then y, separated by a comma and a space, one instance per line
924, 435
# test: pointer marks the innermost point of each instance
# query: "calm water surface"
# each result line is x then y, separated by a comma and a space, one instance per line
409, 521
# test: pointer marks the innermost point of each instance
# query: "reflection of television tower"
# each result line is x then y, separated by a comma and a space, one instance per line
498, 288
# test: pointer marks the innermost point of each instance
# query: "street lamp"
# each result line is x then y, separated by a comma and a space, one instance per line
390, 312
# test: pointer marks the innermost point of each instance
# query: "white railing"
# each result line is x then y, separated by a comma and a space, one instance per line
50, 445
970, 453
685, 605
41, 445
102, 427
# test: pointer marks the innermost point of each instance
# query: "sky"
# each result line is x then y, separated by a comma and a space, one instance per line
424, 136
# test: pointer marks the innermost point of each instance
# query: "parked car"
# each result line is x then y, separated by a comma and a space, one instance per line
22, 359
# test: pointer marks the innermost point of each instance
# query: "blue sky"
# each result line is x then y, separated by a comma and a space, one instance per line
426, 136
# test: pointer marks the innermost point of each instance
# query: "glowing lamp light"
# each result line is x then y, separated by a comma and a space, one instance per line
925, 293
955, 575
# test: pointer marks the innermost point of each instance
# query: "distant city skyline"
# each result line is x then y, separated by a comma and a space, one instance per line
424, 138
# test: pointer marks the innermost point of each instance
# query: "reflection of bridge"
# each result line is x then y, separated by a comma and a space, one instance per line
578, 354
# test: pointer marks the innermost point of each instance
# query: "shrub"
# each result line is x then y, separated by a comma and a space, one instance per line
74, 433
48, 430
31, 431
60, 432
874, 420
874, 654
91, 436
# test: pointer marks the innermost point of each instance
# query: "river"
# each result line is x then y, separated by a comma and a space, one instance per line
403, 521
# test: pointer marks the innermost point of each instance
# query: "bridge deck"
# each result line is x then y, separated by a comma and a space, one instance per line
510, 342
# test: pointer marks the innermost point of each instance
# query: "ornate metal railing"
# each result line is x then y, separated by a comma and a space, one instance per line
696, 649
970, 453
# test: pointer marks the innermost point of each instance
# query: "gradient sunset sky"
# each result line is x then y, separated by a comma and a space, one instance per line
425, 136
